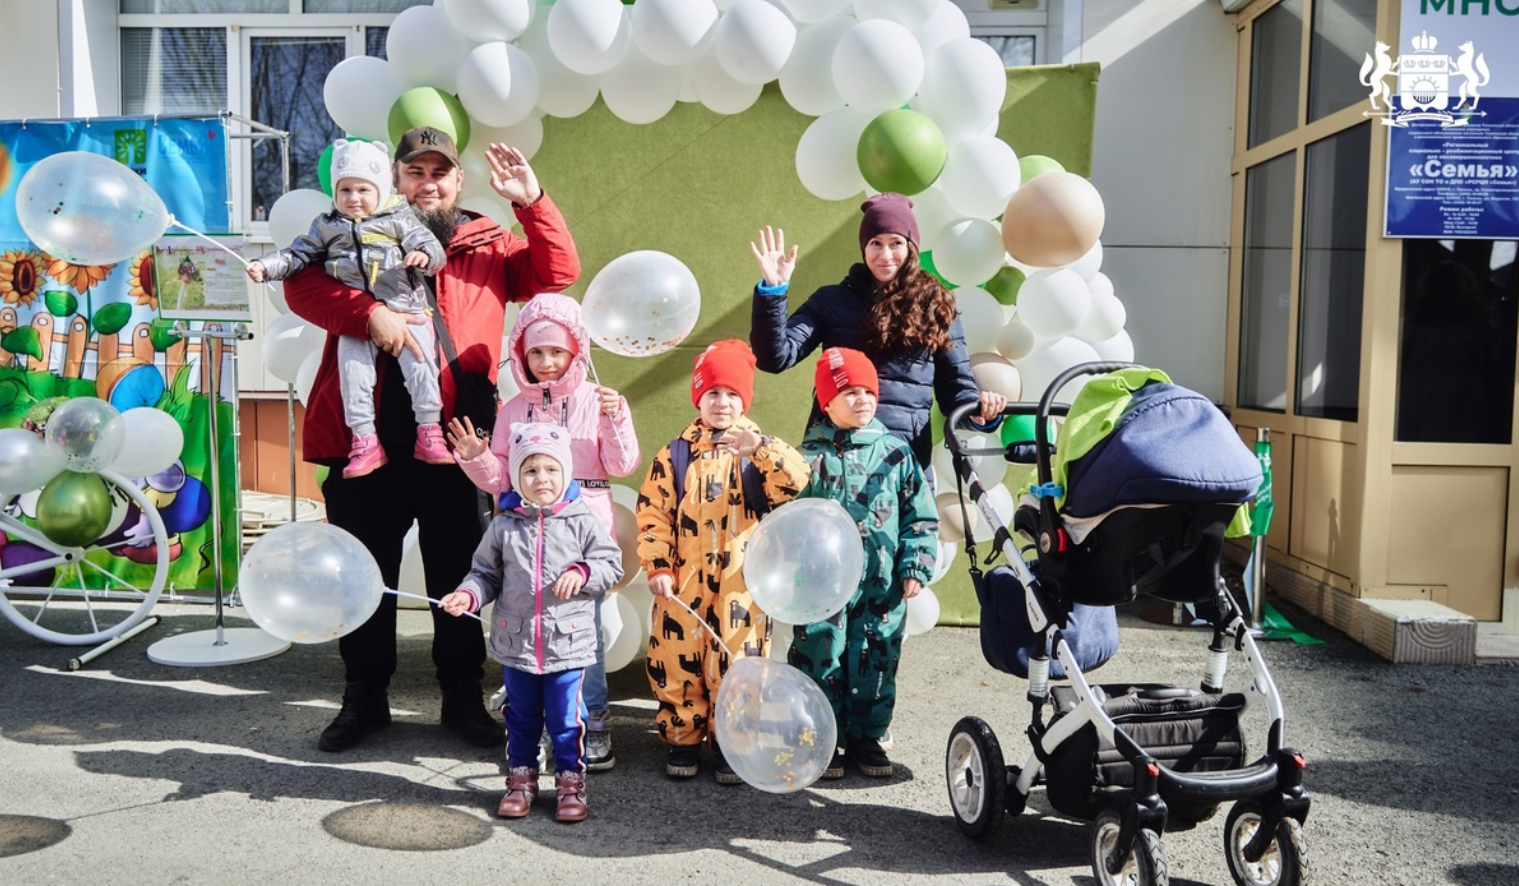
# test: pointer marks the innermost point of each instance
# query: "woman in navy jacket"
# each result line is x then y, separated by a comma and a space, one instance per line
888, 307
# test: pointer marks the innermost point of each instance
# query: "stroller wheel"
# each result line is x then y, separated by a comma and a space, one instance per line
1145, 864
976, 776
1285, 861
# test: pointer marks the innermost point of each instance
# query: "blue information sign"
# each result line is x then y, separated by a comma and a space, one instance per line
1456, 181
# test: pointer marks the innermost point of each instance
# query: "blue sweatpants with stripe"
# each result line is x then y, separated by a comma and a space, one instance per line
538, 701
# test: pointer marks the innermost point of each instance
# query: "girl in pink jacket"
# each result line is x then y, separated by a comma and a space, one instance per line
549, 356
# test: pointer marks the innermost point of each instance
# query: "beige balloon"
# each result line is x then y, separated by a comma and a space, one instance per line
627, 540
951, 521
993, 372
1053, 220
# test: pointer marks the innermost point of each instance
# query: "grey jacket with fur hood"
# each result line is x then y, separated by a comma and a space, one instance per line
525, 550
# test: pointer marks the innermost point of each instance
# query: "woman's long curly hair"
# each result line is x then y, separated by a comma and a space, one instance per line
912, 310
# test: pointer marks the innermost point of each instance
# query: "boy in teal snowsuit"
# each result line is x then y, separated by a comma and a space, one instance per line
857, 462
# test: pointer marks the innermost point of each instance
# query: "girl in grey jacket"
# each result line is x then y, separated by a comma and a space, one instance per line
542, 562
372, 240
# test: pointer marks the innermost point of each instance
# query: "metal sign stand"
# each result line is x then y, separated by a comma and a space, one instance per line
220, 645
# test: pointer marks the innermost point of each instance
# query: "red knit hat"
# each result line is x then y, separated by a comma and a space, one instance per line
729, 364
843, 368
888, 213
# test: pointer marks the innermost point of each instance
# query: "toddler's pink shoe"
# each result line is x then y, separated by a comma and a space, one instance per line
365, 456
430, 446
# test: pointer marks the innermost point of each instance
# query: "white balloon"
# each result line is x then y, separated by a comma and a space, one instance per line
1015, 340
877, 66
1107, 315
911, 14
561, 91
922, 612
306, 376
807, 79
589, 36
489, 19
424, 49
716, 90
964, 84
947, 23
673, 32
989, 469
1119, 348
288, 340
498, 84
623, 647
276, 293
753, 41
994, 372
358, 93
808, 11
1041, 366
980, 176
292, 214
933, 212
639, 90
27, 463
526, 137
980, 315
1088, 265
1053, 302
968, 252
626, 523
825, 154
948, 550
413, 578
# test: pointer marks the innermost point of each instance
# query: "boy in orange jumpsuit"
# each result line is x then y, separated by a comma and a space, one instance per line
696, 510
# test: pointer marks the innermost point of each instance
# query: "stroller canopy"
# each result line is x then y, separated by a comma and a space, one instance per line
1151, 443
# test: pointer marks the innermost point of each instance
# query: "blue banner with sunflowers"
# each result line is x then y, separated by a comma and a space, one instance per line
70, 330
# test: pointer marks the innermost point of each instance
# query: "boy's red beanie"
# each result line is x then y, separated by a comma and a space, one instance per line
729, 364
842, 368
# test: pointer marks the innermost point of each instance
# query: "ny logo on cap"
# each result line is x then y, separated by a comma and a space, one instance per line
429, 137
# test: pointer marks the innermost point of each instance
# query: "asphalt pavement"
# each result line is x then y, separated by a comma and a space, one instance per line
130, 772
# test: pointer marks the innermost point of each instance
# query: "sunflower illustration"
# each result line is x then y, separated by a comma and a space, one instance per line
20, 276
143, 286
81, 277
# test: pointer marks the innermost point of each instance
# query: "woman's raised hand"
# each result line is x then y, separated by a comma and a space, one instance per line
775, 263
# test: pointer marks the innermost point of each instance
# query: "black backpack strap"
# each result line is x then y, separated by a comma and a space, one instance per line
754, 487
680, 460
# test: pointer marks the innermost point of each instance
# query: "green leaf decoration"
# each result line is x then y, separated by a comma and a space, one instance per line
162, 335
110, 319
23, 341
60, 303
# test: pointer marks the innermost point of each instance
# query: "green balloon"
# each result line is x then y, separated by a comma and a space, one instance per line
74, 509
901, 151
1036, 165
1005, 285
1017, 429
429, 106
324, 165
321, 475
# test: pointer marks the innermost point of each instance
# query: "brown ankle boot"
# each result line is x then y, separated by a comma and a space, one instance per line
521, 791
571, 788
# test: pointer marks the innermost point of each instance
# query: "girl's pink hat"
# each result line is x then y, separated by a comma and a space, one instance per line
547, 333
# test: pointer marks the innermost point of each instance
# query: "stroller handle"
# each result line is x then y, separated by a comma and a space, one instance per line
1041, 412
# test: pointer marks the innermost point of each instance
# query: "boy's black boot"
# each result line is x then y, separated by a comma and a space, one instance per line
464, 714
366, 709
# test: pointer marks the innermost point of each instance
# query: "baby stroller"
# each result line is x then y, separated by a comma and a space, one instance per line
1157, 474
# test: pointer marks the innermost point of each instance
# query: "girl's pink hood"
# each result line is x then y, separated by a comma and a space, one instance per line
566, 312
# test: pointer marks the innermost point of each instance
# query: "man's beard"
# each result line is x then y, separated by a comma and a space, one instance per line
442, 221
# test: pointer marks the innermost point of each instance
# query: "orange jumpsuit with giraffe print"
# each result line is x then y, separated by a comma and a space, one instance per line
700, 541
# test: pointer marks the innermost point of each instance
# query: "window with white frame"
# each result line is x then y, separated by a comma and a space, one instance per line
266, 60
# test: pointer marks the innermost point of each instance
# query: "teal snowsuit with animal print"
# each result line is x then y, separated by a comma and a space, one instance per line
853, 656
